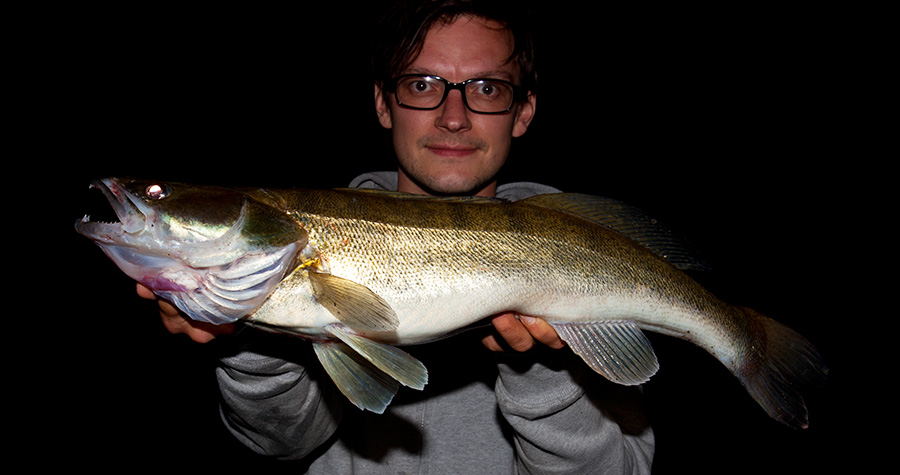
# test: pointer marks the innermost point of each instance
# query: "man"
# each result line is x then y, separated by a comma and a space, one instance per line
453, 99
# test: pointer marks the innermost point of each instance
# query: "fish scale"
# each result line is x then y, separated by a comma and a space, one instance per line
361, 273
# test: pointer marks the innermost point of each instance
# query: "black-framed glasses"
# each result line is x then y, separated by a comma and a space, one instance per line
480, 95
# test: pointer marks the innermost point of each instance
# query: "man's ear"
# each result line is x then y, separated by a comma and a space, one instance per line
382, 109
524, 115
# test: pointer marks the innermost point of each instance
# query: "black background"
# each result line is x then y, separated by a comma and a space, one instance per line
732, 124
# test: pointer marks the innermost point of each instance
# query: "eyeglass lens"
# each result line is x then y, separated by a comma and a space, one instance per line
481, 95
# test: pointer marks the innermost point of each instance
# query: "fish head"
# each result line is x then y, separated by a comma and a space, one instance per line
215, 252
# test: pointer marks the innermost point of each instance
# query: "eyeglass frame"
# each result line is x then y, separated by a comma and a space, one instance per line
519, 92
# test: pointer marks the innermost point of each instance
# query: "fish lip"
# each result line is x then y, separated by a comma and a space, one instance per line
133, 214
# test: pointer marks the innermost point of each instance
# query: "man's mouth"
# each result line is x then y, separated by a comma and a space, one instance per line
459, 147
450, 151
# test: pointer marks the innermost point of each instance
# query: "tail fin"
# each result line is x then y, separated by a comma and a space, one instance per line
777, 372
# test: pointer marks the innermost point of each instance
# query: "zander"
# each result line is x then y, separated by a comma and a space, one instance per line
359, 273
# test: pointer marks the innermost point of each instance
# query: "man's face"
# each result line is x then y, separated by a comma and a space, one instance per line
452, 150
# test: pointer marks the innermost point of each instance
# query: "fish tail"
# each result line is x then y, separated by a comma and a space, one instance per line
781, 365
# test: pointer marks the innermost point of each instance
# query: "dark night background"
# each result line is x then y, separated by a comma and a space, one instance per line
729, 124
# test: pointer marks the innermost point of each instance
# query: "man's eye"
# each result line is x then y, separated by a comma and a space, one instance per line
487, 90
491, 90
420, 86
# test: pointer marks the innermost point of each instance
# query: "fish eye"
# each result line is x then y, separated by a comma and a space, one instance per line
158, 192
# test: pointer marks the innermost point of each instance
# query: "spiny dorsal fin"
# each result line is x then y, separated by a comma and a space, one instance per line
617, 350
628, 220
366, 386
395, 362
353, 303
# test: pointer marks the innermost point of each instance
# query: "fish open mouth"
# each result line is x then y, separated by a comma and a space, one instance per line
139, 225
132, 215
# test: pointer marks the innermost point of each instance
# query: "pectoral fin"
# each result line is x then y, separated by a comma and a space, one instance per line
617, 350
365, 386
352, 303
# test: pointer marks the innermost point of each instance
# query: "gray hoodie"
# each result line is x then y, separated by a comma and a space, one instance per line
542, 411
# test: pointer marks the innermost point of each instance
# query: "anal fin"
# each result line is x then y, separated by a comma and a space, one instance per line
617, 350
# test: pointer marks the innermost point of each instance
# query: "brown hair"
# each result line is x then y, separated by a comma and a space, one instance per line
402, 30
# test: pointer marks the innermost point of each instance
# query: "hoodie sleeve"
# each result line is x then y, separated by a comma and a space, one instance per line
274, 403
568, 420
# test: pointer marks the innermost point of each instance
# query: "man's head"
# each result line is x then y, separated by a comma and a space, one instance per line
453, 147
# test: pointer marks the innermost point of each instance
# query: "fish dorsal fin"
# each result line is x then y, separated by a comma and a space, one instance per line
628, 220
352, 303
366, 386
617, 350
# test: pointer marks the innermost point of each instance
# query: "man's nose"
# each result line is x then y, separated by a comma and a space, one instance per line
454, 116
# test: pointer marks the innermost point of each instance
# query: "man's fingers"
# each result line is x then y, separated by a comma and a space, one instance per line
519, 334
491, 343
513, 332
542, 331
145, 292
201, 332
175, 322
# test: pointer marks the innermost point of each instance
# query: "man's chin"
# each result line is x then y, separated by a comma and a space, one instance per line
462, 187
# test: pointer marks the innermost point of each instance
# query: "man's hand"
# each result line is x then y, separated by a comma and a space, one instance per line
521, 333
175, 322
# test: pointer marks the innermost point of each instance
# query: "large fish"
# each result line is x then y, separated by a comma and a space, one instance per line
359, 273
